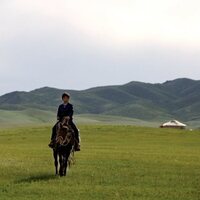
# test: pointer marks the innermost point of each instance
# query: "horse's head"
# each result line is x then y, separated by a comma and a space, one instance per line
65, 133
65, 122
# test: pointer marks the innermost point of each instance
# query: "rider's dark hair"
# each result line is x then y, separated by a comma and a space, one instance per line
65, 95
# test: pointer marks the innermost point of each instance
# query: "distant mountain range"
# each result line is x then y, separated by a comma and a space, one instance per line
178, 99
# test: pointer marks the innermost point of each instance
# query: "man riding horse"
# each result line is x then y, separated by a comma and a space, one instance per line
64, 148
65, 110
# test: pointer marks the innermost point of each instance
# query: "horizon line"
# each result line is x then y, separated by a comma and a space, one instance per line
51, 87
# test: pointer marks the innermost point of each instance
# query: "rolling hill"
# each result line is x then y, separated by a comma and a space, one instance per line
148, 102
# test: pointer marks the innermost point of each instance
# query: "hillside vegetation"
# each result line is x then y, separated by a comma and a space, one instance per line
178, 99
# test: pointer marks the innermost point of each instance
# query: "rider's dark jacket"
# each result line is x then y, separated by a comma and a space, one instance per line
65, 110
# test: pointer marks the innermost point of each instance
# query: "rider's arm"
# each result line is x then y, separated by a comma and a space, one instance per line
71, 111
58, 114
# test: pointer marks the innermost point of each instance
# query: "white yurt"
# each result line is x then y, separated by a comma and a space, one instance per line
173, 124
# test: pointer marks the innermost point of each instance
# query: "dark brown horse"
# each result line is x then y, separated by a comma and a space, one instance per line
64, 148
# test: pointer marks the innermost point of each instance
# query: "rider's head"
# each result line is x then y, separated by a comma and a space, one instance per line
65, 97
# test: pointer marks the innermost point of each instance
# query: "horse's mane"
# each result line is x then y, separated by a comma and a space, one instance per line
65, 133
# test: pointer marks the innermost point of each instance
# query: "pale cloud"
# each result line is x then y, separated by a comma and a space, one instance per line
130, 21
121, 21
80, 44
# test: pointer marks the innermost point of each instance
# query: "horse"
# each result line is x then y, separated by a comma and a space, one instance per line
64, 147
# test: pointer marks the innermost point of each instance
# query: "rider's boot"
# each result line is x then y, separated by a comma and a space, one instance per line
52, 144
77, 141
77, 146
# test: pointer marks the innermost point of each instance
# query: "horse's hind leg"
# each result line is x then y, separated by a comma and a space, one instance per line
55, 161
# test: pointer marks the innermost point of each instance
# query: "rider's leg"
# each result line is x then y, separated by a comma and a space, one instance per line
53, 132
53, 136
76, 131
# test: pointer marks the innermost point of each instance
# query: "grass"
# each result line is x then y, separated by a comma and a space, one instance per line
110, 120
24, 117
116, 162
34, 117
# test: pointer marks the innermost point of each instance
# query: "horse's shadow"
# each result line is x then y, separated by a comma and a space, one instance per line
37, 178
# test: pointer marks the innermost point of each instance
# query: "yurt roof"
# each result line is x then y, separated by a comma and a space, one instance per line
174, 123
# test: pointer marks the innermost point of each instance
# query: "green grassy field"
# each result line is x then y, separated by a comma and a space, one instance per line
116, 162
36, 116
32, 117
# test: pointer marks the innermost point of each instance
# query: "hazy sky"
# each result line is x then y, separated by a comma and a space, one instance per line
78, 44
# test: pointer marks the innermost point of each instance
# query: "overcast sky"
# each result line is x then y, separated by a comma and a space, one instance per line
77, 44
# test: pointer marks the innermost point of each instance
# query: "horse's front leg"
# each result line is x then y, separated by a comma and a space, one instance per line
55, 154
61, 164
66, 162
